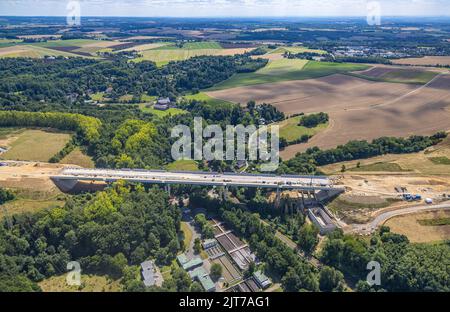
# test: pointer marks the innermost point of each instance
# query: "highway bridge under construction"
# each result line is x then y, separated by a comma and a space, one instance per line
68, 177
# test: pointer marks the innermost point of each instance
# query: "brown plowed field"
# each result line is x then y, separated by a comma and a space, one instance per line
358, 108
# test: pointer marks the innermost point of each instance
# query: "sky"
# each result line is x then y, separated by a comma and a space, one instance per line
226, 8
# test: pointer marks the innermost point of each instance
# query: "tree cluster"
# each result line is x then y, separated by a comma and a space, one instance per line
404, 266
106, 232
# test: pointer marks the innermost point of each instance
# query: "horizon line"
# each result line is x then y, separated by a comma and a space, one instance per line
237, 16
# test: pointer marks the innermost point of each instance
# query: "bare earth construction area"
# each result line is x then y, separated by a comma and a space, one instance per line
358, 108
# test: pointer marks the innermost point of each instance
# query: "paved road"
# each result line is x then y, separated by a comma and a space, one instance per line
382, 218
197, 178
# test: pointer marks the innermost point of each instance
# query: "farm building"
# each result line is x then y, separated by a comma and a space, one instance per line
163, 101
162, 104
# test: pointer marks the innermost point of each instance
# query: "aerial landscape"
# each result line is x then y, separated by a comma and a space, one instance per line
351, 115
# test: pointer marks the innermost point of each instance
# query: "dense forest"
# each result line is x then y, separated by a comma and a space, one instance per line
112, 231
296, 273
66, 82
106, 232
404, 266
87, 127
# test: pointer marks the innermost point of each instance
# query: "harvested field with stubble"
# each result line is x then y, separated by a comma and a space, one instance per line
36, 145
410, 226
426, 60
358, 108
32, 52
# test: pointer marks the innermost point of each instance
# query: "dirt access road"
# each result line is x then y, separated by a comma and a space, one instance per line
368, 228
34, 176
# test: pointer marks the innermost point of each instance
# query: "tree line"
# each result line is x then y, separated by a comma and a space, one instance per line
68, 82
404, 266
308, 161
313, 120
87, 127
110, 233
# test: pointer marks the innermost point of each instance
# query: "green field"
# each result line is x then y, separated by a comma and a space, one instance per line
401, 76
77, 157
164, 55
99, 96
11, 48
65, 43
202, 45
7, 131
206, 98
407, 76
127, 98
283, 66
147, 98
89, 283
310, 70
380, 166
183, 165
22, 205
442, 160
187, 234
37, 145
159, 113
145, 47
32, 51
291, 131
296, 50
342, 204
9, 42
434, 222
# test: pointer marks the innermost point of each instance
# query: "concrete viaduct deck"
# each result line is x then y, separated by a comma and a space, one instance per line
283, 182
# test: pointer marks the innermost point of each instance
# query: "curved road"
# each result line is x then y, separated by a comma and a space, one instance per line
382, 218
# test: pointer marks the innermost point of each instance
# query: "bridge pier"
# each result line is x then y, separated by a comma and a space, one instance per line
278, 198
